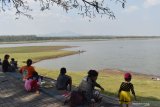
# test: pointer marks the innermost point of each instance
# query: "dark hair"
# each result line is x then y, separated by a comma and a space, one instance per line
92, 73
34, 74
63, 71
6, 56
12, 59
29, 62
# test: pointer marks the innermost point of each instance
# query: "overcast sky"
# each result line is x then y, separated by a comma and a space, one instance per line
140, 17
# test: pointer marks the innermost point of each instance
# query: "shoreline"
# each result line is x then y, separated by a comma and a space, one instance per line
146, 88
46, 52
55, 57
121, 72
78, 52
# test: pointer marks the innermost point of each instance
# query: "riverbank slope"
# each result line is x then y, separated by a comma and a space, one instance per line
146, 88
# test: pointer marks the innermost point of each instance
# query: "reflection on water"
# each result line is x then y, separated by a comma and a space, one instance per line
141, 56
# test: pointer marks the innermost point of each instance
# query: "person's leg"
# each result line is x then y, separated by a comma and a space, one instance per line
97, 96
69, 83
92, 105
127, 105
35, 86
121, 105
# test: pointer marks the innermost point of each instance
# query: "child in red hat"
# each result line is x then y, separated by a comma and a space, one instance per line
124, 91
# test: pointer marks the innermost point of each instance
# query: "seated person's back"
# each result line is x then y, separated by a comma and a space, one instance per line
27, 70
32, 83
5, 64
87, 87
13, 62
63, 80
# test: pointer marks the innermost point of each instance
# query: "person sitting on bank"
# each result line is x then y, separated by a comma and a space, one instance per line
13, 64
6, 67
87, 86
32, 84
27, 71
64, 81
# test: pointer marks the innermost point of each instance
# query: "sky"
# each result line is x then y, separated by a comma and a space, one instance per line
139, 18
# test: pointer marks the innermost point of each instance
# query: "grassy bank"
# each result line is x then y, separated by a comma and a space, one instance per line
146, 88
36, 53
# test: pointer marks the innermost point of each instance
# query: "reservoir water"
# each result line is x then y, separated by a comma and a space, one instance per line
142, 56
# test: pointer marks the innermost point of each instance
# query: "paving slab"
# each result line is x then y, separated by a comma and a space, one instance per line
13, 94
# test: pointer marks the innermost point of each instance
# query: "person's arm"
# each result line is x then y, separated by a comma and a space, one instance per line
33, 70
7, 63
70, 83
99, 86
133, 92
20, 71
120, 89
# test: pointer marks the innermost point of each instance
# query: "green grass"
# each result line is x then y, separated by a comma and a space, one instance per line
145, 88
36, 53
31, 49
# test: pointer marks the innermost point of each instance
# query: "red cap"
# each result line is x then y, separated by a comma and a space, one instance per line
127, 75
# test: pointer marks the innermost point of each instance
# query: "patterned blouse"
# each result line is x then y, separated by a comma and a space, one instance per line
127, 86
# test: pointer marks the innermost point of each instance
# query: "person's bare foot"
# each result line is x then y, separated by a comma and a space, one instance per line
37, 92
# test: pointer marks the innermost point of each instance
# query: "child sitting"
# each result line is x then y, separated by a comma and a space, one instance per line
13, 64
33, 83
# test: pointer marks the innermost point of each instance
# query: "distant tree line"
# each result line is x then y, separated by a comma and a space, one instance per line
17, 38
37, 38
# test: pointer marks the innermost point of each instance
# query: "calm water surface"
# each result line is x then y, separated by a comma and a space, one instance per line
142, 56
